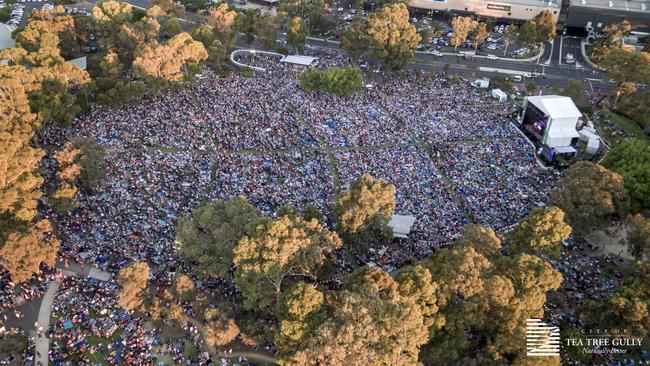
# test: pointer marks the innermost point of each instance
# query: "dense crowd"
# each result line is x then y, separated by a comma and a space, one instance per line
448, 148
422, 191
267, 139
133, 216
153, 121
499, 181
272, 180
88, 322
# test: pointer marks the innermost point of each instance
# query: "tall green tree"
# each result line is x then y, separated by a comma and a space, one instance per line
300, 310
22, 253
484, 300
462, 27
542, 231
627, 68
340, 81
355, 39
591, 196
134, 280
296, 33
638, 236
392, 38
170, 60
369, 322
206, 240
480, 34
573, 89
363, 211
278, 250
631, 159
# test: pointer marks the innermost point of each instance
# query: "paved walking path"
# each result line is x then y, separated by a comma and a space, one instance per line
42, 344
215, 355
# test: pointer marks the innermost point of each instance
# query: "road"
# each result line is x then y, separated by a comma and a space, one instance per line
552, 63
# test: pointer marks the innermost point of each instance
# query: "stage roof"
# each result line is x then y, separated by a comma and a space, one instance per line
299, 60
401, 225
555, 106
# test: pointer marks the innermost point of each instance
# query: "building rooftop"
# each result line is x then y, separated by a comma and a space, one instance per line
548, 3
631, 5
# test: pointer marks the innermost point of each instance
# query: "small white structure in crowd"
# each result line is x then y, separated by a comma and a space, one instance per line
499, 94
401, 225
299, 61
481, 83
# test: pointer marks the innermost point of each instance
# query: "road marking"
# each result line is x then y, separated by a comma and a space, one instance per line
590, 86
503, 71
559, 61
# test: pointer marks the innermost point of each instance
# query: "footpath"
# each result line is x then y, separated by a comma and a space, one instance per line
42, 343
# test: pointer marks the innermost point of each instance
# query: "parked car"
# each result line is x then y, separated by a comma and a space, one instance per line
437, 53
492, 57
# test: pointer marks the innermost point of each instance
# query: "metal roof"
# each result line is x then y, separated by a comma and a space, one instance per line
401, 225
623, 5
299, 60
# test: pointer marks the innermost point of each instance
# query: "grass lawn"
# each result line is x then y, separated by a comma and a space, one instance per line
626, 124
191, 352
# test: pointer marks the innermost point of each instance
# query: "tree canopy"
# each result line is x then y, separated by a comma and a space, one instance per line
368, 322
23, 252
134, 280
638, 236
462, 27
340, 81
279, 249
206, 239
590, 196
363, 211
542, 231
296, 33
392, 38
631, 159
481, 290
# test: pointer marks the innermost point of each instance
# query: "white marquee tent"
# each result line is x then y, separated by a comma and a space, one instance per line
401, 225
562, 115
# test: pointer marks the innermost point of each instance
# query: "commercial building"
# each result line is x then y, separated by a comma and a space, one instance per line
509, 10
594, 15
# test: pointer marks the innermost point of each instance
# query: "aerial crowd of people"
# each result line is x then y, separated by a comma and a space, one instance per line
449, 150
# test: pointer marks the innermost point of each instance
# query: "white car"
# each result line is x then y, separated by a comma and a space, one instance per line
492, 57
437, 53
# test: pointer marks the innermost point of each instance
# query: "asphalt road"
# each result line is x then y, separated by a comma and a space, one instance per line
551, 64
